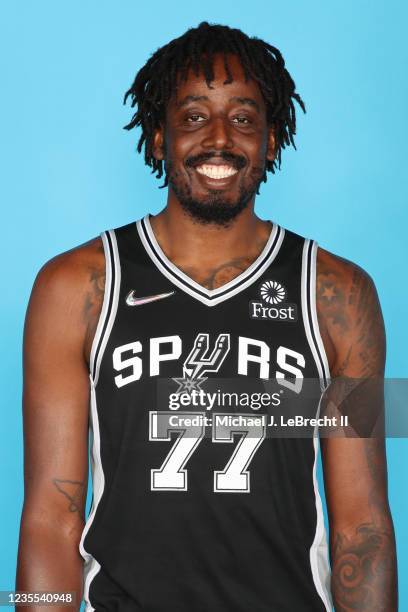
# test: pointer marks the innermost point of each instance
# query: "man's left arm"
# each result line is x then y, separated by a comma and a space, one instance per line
362, 541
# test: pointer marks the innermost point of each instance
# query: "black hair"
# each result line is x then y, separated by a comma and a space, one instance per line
155, 83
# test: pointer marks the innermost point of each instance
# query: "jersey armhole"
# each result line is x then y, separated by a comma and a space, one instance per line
318, 554
109, 303
309, 311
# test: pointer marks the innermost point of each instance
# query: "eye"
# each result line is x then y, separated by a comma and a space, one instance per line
195, 118
241, 120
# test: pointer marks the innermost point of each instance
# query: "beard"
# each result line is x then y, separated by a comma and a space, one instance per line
215, 208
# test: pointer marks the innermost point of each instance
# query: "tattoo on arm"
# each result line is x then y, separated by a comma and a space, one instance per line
331, 299
95, 294
74, 491
93, 304
342, 367
363, 553
363, 569
352, 308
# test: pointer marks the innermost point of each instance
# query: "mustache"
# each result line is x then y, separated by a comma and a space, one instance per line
236, 161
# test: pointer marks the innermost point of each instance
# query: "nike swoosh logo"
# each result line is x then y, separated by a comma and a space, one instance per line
133, 300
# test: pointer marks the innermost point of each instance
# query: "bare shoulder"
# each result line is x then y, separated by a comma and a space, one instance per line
72, 282
72, 266
349, 315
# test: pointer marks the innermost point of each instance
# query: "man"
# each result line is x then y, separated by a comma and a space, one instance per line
202, 514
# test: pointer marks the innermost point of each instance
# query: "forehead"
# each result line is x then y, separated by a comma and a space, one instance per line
196, 86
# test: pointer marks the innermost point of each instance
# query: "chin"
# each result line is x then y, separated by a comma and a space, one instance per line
215, 206
216, 210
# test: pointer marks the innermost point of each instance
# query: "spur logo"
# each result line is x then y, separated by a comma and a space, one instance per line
274, 306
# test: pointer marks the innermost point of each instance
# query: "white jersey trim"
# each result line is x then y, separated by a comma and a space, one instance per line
105, 305
91, 565
103, 330
110, 302
209, 297
318, 554
308, 291
315, 324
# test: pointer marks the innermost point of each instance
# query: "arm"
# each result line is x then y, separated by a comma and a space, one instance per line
362, 542
55, 414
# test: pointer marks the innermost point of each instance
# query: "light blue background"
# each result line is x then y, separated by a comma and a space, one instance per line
69, 170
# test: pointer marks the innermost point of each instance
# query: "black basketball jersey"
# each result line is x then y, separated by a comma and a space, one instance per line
196, 506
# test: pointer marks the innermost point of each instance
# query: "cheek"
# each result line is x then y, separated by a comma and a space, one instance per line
176, 148
260, 150
174, 166
257, 162
255, 148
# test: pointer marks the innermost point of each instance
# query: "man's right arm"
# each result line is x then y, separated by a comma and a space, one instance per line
60, 313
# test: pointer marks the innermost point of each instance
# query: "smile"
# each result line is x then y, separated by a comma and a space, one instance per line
216, 171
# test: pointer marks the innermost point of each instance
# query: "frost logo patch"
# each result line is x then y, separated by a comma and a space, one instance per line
273, 305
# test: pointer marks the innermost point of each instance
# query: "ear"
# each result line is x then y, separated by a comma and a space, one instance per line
158, 144
271, 144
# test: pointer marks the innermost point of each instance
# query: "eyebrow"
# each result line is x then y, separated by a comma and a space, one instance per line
247, 101
189, 99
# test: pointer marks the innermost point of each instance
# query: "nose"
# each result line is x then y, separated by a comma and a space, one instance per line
218, 135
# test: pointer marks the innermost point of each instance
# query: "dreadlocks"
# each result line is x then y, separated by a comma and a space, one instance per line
154, 83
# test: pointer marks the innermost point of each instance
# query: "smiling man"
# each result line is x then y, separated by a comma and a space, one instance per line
197, 505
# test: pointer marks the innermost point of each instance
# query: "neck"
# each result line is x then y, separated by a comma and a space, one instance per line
188, 242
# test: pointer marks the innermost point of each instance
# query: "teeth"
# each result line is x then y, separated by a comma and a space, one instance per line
216, 172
